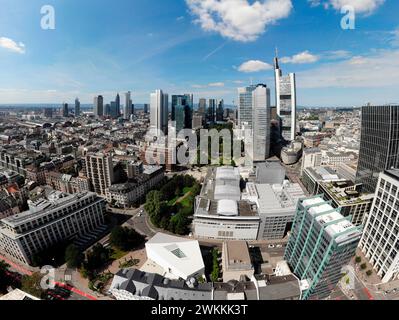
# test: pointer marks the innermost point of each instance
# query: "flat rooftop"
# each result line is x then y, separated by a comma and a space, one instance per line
237, 252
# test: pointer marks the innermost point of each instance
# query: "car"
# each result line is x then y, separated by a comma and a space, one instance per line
271, 246
279, 246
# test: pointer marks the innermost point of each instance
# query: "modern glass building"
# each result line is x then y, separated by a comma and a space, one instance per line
98, 106
77, 108
379, 144
286, 102
322, 241
182, 111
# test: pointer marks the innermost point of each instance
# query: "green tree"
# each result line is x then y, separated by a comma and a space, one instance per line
97, 257
73, 256
125, 239
31, 285
369, 273
363, 266
3, 275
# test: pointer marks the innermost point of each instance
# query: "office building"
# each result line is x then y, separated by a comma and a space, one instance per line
380, 240
261, 122
159, 111
211, 114
220, 110
182, 111
321, 242
379, 144
146, 108
48, 113
77, 108
117, 111
286, 102
245, 110
202, 107
48, 222
65, 110
127, 111
99, 169
348, 198
114, 110
98, 106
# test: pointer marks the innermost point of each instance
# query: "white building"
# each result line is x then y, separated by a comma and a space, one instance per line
178, 257
159, 111
380, 240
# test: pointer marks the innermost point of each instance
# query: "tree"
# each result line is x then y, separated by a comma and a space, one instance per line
3, 275
125, 239
73, 256
97, 257
358, 259
369, 273
363, 266
31, 285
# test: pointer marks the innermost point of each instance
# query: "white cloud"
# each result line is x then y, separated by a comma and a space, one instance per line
360, 6
301, 58
11, 45
254, 66
395, 38
216, 84
375, 70
240, 20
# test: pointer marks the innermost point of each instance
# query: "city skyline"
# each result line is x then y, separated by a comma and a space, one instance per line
334, 67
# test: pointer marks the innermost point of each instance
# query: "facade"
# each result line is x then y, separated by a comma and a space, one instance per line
322, 241
99, 169
379, 144
67, 183
286, 102
261, 122
98, 106
211, 113
182, 111
128, 194
380, 240
77, 108
48, 222
276, 206
311, 158
202, 107
311, 178
159, 111
65, 110
245, 114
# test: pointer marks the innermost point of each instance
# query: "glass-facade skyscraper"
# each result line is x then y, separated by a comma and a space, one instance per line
245, 106
379, 144
182, 111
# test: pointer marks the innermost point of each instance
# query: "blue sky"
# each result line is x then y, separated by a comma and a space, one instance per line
205, 47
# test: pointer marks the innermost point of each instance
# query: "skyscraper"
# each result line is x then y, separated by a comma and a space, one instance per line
211, 114
261, 122
146, 108
245, 105
182, 111
159, 111
117, 107
128, 106
322, 241
77, 108
65, 110
220, 110
202, 106
380, 240
98, 106
286, 102
379, 144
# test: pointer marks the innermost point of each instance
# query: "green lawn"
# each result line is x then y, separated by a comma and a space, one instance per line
118, 254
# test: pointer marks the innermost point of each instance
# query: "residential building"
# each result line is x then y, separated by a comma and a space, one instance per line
321, 242
99, 169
